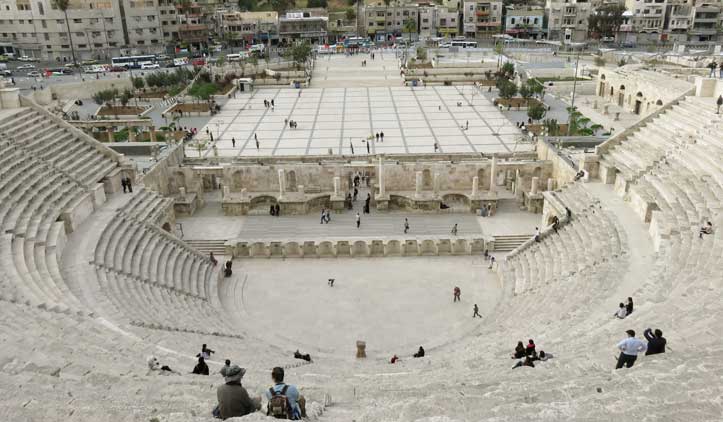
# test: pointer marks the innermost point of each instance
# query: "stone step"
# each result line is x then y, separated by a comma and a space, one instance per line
506, 243
206, 246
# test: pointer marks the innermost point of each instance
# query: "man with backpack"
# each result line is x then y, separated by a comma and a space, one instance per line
285, 402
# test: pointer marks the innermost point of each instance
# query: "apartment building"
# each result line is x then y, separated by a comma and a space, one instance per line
99, 29
482, 19
567, 20
304, 24
525, 22
340, 25
244, 28
655, 21
387, 23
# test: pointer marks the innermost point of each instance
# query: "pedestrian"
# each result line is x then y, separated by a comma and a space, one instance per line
656, 342
377, 136
466, 126
456, 293
406, 225
356, 192
277, 210
436, 146
537, 234
123, 184
323, 216
720, 73
272, 103
719, 102
712, 66
368, 149
328, 216
629, 349
233, 142
257, 144
621, 313
492, 262
351, 147
286, 121
454, 229
330, 282
358, 220
381, 135
476, 311
129, 185
629, 306
211, 134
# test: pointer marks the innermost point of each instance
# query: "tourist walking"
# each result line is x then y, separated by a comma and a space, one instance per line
406, 225
368, 149
454, 229
629, 349
436, 146
351, 147
377, 136
712, 66
358, 220
456, 293
233, 142
476, 312
323, 216
719, 102
381, 136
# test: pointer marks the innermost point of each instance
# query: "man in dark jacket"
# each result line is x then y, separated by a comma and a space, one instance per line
233, 399
656, 341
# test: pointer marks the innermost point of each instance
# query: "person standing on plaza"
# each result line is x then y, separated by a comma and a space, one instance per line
376, 136
476, 312
436, 146
456, 293
233, 142
272, 103
323, 216
454, 229
351, 147
406, 225
719, 102
358, 220
381, 136
368, 148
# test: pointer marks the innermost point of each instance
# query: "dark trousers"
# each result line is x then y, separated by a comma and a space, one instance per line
627, 360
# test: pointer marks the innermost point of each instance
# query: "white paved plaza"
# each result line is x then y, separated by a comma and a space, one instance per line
347, 104
339, 119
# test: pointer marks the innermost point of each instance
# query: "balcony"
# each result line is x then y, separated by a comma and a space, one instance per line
482, 13
487, 24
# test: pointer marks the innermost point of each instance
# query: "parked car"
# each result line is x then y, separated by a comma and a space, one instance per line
26, 66
26, 59
145, 66
118, 69
6, 72
33, 74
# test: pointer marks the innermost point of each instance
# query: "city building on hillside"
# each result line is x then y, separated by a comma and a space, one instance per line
568, 20
241, 29
525, 22
482, 19
340, 25
304, 24
387, 23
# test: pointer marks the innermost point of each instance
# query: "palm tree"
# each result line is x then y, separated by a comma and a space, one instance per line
410, 25
63, 5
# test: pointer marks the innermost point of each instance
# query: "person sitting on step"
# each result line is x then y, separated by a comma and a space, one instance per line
707, 229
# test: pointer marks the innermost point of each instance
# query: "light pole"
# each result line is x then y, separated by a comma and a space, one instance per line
574, 86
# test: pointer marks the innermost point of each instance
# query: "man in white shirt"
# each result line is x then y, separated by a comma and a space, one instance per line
629, 349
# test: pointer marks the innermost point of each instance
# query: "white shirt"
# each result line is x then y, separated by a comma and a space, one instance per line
632, 346
621, 313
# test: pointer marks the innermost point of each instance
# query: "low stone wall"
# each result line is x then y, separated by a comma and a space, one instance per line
563, 172
356, 247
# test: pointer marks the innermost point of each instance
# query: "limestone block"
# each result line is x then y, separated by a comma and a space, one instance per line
293, 250
411, 247
459, 247
343, 248
444, 247
325, 249
476, 246
428, 247
276, 250
392, 248
309, 249
377, 248
258, 250
242, 250
360, 248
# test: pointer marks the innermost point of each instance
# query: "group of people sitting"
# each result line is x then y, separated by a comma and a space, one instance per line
528, 354
630, 346
418, 354
624, 309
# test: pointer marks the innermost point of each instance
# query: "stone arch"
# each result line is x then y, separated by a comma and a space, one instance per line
639, 94
537, 172
659, 102
166, 226
427, 180
612, 91
237, 180
602, 77
291, 181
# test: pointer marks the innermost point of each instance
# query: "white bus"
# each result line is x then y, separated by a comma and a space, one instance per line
236, 57
133, 62
464, 44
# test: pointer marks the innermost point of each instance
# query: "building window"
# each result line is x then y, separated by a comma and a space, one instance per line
77, 20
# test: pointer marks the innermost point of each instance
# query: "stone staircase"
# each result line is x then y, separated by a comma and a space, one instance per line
506, 243
206, 246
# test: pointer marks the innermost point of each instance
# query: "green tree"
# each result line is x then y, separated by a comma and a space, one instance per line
536, 87
552, 127
281, 5
606, 20
299, 54
410, 25
125, 97
579, 125
525, 91
138, 83
536, 111
246, 5
63, 5
350, 14
316, 3
422, 53
506, 88
508, 70
202, 91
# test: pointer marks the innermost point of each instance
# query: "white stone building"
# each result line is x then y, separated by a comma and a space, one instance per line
525, 22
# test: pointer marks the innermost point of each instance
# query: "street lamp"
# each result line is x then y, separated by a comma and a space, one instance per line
574, 86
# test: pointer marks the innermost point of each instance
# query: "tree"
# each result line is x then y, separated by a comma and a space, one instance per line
138, 83
410, 25
125, 97
552, 127
63, 6
536, 111
536, 87
350, 14
281, 5
508, 69
579, 125
202, 90
506, 88
422, 53
606, 20
316, 3
299, 54
246, 5
525, 91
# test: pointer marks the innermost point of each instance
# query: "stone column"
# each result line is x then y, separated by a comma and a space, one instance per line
282, 183
131, 134
475, 185
493, 175
381, 176
337, 184
109, 131
152, 132
517, 181
435, 183
535, 187
550, 184
418, 184
182, 193
226, 192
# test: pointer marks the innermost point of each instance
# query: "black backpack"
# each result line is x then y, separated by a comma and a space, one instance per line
279, 406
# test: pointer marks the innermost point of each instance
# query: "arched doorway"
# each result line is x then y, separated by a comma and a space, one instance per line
291, 181
621, 95
638, 103
166, 226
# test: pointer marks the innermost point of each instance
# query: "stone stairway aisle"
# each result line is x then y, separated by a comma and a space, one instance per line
205, 246
640, 246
